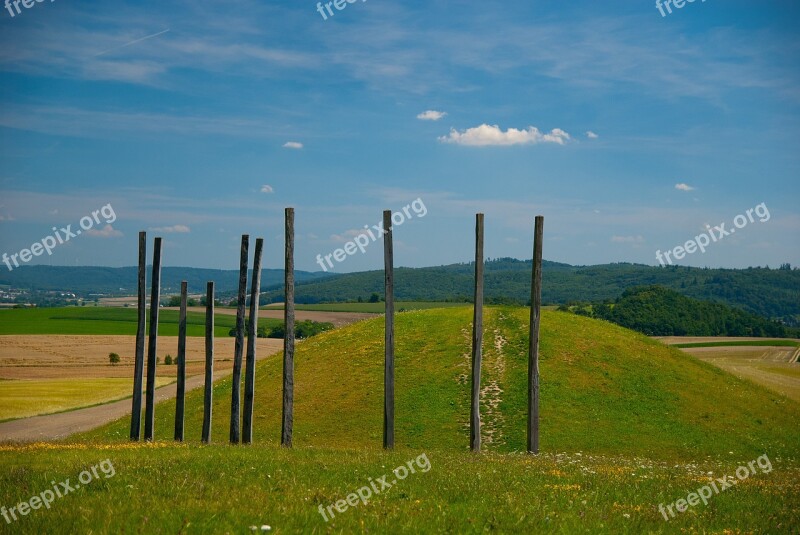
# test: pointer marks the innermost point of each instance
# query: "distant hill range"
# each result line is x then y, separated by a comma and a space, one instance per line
770, 293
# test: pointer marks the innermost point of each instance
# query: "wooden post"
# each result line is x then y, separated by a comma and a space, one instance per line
288, 334
477, 340
239, 347
180, 400
252, 331
141, 325
155, 292
209, 382
533, 349
388, 370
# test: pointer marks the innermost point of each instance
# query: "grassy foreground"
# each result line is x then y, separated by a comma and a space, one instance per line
627, 424
166, 488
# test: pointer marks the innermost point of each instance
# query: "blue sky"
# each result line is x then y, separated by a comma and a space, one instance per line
199, 121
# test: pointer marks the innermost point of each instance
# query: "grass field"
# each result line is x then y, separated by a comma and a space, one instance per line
19, 399
107, 320
627, 424
375, 308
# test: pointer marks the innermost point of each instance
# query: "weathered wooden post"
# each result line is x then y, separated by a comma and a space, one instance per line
388, 370
239, 347
209, 382
141, 325
180, 400
288, 334
150, 398
533, 348
477, 340
252, 332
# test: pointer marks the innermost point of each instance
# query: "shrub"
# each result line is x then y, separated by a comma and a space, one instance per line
113, 358
168, 360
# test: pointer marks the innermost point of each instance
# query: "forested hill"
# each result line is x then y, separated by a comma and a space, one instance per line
771, 293
658, 311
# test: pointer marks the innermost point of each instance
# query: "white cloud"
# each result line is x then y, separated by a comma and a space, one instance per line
348, 235
106, 232
627, 239
266, 188
431, 115
491, 135
591, 135
178, 229
683, 187
292, 145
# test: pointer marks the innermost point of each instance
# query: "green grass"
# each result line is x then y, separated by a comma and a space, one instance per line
108, 321
626, 424
767, 342
376, 308
166, 488
23, 398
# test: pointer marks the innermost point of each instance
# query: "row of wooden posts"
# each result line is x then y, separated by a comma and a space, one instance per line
246, 435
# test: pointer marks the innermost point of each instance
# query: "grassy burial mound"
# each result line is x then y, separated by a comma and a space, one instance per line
628, 424
605, 389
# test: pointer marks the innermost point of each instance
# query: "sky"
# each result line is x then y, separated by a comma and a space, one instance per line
630, 131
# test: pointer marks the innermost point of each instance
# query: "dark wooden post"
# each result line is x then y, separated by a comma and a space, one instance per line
477, 340
209, 383
388, 370
239, 347
288, 334
533, 349
141, 325
252, 331
155, 292
180, 400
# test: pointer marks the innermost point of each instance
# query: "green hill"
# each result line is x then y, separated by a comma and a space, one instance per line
659, 311
628, 426
604, 390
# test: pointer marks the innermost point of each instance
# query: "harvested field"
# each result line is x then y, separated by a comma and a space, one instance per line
339, 319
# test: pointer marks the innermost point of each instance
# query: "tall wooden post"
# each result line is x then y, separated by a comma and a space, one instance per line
236, 395
477, 340
155, 292
209, 380
388, 370
533, 349
141, 325
288, 334
180, 400
252, 332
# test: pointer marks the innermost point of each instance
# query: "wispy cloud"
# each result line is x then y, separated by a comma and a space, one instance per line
266, 188
627, 239
176, 229
684, 187
591, 135
293, 145
431, 115
489, 135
